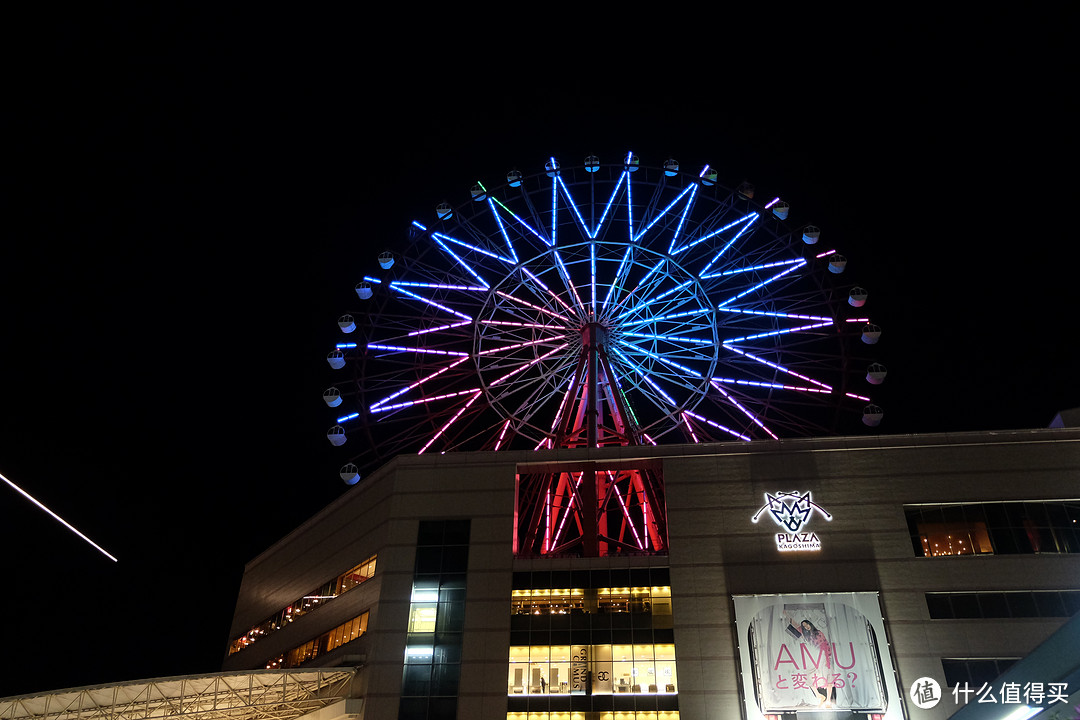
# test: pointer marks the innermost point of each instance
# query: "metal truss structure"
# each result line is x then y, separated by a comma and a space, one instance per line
256, 695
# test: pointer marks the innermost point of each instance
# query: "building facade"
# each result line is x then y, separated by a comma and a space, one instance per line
780, 579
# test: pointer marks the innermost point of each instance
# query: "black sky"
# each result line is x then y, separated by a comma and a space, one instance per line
190, 199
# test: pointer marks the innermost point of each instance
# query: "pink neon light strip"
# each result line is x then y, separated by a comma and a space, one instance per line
744, 411
858, 397
781, 368
827, 252
625, 512
569, 506
540, 282
718, 426
436, 329
523, 325
693, 434
422, 401
510, 374
534, 307
514, 347
450, 422
502, 435
858, 320
775, 386
419, 382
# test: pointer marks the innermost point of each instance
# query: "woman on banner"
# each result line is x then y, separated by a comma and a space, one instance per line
806, 632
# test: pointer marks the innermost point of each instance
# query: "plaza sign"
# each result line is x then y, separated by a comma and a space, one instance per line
792, 512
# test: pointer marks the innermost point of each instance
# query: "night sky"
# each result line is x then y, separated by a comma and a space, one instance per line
190, 199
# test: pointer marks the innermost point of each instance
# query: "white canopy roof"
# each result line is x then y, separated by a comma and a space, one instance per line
253, 695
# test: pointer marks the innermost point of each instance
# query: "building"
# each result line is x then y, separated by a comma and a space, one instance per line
813, 578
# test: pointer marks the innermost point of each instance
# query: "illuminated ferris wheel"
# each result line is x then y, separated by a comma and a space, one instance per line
601, 304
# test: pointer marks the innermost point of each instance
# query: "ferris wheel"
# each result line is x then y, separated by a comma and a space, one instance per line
601, 304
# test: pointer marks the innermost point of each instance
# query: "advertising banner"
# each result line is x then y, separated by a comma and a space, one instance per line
815, 653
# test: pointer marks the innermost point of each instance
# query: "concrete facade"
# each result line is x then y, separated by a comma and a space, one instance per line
715, 552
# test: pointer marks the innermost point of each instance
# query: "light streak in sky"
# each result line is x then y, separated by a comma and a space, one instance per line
56, 517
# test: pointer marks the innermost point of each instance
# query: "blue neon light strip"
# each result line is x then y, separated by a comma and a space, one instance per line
573, 205
480, 250
371, 279
629, 198
728, 245
659, 358
422, 351
644, 376
541, 283
346, 418
714, 233
762, 284
669, 338
438, 286
768, 313
663, 212
400, 289
502, 229
345, 346
778, 263
617, 282
658, 318
607, 207
418, 225
461, 262
656, 299
526, 225
682, 219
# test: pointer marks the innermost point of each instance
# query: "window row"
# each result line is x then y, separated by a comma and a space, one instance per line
995, 528
652, 600
607, 715
1017, 604
310, 601
591, 669
974, 671
344, 633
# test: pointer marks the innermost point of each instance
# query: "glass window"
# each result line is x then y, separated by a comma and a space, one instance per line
1004, 528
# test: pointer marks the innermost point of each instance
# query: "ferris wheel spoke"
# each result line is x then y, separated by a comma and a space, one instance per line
775, 333
451, 421
502, 230
710, 235
741, 408
526, 303
779, 367
418, 383
688, 189
508, 348
716, 425
754, 268
611, 200
762, 284
468, 268
422, 401
727, 246
444, 308
474, 248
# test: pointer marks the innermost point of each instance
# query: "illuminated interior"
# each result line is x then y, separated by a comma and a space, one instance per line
654, 600
342, 634
309, 601
592, 669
